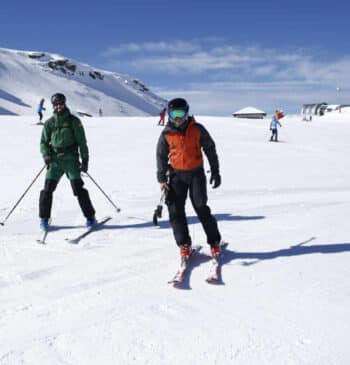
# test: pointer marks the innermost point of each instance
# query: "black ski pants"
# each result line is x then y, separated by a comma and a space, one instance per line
195, 183
274, 135
45, 200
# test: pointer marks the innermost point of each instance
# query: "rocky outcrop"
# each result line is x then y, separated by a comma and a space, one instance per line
35, 55
96, 75
141, 86
63, 65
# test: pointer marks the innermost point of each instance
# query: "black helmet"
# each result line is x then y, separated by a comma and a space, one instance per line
178, 103
178, 108
58, 98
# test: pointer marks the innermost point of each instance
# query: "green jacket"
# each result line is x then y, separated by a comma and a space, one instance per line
63, 134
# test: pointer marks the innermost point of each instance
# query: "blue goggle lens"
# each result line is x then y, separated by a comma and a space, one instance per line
177, 113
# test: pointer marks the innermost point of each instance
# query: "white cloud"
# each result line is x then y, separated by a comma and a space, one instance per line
214, 74
201, 57
153, 47
222, 98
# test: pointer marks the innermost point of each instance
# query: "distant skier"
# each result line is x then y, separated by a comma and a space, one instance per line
179, 152
274, 125
100, 112
162, 117
40, 110
62, 141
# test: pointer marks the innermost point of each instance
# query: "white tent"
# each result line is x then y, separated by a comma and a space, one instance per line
249, 112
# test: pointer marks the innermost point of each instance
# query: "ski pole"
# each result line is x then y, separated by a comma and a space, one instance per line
158, 211
109, 199
22, 196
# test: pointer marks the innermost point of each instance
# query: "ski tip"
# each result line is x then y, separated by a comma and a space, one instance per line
196, 248
176, 281
214, 281
68, 240
177, 285
104, 220
172, 282
73, 242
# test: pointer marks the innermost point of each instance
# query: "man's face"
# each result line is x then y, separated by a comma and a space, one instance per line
59, 107
179, 121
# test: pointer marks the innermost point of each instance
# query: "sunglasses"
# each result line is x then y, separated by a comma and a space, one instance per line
177, 113
57, 104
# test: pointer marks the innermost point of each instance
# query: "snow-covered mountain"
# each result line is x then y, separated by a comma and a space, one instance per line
26, 77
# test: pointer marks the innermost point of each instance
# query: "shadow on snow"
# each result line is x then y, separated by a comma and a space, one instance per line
295, 250
256, 257
191, 220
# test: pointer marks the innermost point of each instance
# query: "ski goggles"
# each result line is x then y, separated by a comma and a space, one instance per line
177, 113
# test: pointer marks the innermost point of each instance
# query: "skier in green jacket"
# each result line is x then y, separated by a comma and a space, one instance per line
62, 141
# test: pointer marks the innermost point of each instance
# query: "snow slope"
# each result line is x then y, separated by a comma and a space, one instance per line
283, 208
26, 77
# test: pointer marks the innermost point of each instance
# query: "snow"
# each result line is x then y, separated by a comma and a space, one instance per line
282, 207
25, 81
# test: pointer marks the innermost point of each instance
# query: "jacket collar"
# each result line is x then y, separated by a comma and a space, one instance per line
171, 127
62, 117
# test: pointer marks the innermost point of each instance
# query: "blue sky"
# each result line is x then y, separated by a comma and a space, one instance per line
222, 55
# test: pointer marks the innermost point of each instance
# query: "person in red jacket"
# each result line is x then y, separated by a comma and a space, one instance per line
162, 117
180, 170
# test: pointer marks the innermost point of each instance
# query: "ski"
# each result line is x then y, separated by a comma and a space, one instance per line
214, 276
89, 230
42, 240
178, 278
214, 272
45, 232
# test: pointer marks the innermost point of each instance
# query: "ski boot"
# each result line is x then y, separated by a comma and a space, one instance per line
215, 250
90, 222
185, 252
44, 224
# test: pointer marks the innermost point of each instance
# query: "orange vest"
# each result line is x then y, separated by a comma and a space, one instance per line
185, 151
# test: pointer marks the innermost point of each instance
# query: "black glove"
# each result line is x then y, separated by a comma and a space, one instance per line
84, 165
48, 160
215, 179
